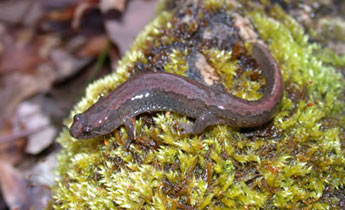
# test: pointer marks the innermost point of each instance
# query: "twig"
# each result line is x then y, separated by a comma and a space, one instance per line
22, 134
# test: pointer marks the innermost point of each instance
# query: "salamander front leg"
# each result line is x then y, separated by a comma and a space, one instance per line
129, 124
201, 123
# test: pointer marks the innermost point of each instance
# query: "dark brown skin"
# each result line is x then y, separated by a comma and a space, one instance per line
152, 92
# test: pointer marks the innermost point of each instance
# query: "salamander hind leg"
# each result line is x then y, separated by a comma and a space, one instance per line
129, 124
201, 123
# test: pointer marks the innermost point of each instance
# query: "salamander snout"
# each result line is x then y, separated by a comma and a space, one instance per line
80, 128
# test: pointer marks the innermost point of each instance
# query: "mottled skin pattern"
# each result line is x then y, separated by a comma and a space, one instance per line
152, 92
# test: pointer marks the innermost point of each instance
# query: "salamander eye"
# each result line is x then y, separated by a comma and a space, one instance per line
76, 117
87, 129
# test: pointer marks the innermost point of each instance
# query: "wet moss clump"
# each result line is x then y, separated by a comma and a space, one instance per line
296, 161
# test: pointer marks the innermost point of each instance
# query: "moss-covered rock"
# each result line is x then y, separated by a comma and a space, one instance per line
296, 161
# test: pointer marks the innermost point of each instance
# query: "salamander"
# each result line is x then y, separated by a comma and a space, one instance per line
158, 91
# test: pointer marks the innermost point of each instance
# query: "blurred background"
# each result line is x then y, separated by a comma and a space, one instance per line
49, 51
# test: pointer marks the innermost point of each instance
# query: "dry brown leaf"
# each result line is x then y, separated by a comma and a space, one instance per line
31, 116
123, 31
103, 5
79, 12
16, 87
11, 151
94, 46
61, 15
43, 172
19, 52
13, 187
67, 64
19, 192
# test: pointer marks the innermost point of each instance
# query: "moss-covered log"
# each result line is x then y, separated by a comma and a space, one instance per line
296, 161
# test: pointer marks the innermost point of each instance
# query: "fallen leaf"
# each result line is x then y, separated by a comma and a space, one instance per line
32, 117
79, 13
13, 186
104, 5
16, 87
19, 192
11, 151
65, 14
67, 64
20, 53
122, 30
43, 172
94, 46
23, 68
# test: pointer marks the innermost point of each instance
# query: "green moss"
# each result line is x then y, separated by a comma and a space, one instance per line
292, 163
329, 57
240, 86
214, 5
331, 28
177, 64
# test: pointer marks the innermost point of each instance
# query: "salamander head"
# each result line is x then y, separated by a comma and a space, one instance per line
84, 128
